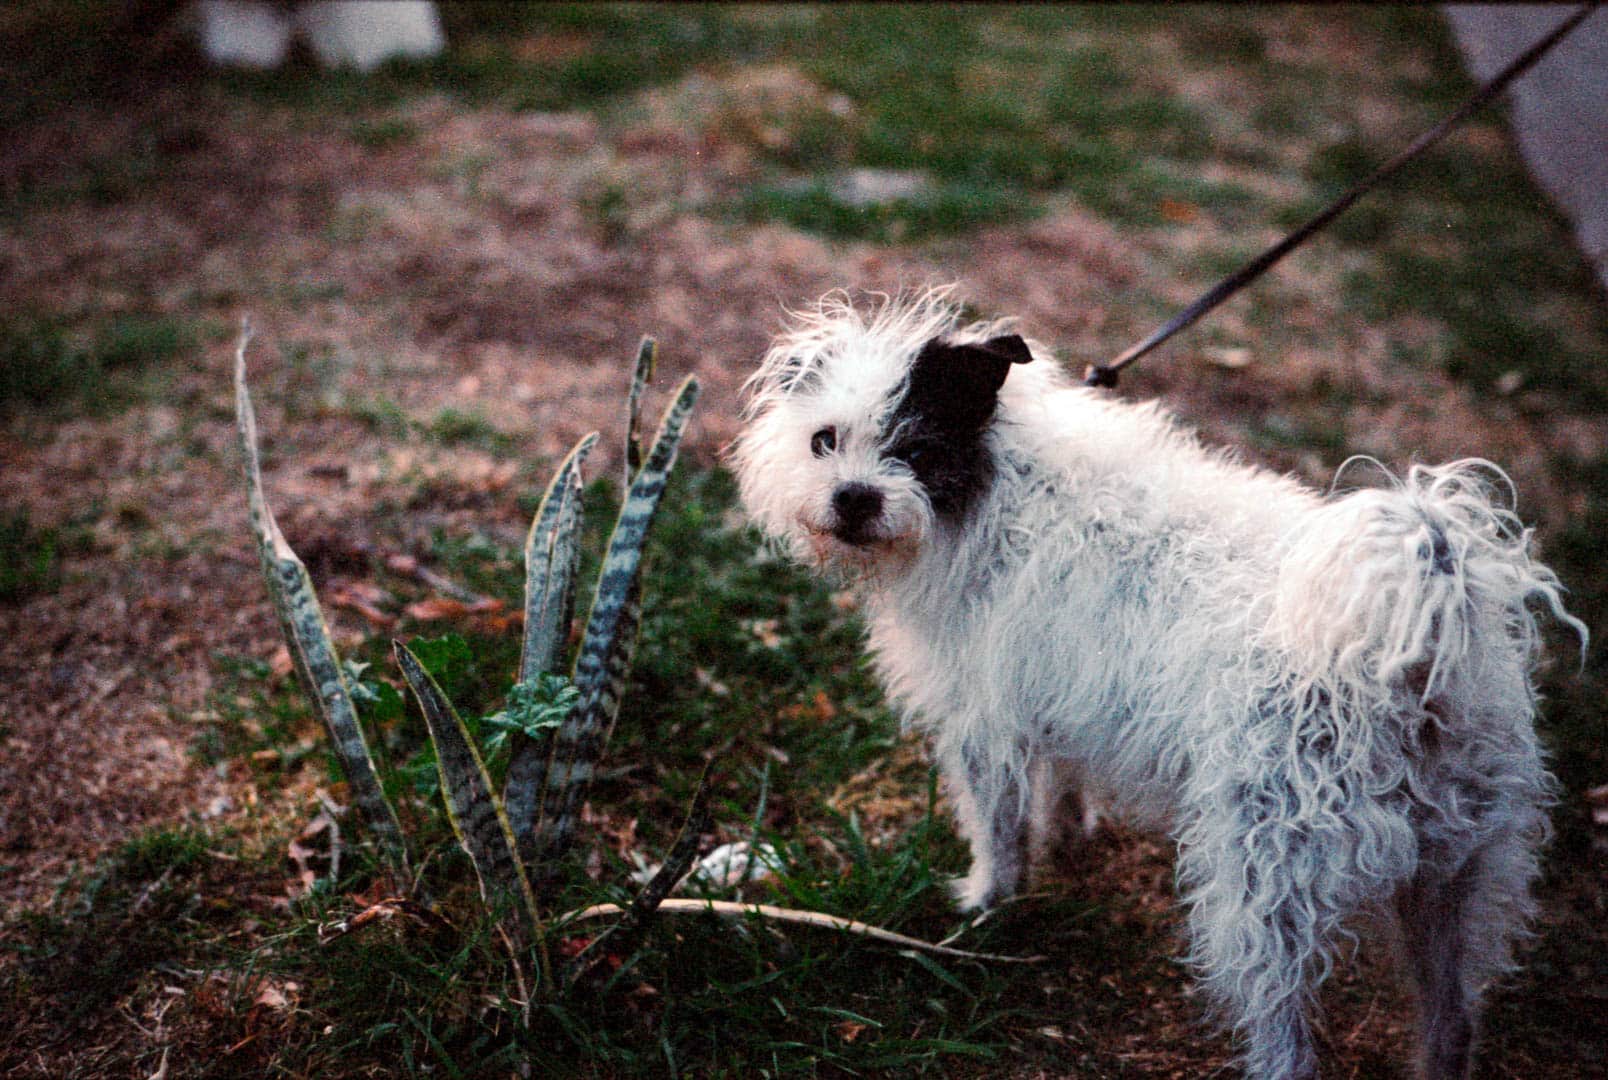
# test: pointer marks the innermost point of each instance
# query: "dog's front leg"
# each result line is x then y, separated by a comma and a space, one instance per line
990, 813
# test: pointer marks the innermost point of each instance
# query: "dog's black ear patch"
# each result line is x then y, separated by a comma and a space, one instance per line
1009, 348
956, 385
938, 425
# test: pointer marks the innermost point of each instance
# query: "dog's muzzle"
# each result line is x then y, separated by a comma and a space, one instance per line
856, 508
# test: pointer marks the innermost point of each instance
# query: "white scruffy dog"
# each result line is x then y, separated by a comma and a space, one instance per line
1326, 701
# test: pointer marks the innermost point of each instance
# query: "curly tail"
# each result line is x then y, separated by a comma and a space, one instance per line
1412, 578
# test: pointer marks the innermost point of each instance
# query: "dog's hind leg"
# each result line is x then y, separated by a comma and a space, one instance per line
1266, 902
1433, 914
1046, 789
1458, 929
1251, 961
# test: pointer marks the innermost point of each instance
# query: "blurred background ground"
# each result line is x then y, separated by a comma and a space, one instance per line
449, 264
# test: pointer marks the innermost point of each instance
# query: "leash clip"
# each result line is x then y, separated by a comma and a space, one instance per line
1100, 375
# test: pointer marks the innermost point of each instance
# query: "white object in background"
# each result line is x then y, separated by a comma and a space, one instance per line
243, 33
1559, 110
724, 867
362, 34
366, 33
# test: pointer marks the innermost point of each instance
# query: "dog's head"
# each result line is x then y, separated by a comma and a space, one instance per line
865, 430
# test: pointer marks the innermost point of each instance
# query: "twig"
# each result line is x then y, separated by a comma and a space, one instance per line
683, 905
331, 812
384, 909
412, 567
149, 890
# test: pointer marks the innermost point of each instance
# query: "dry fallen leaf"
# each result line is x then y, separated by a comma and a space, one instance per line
402, 564
384, 911
303, 854
442, 607
1177, 211
366, 599
1227, 359
766, 631
849, 1030
276, 995
1597, 799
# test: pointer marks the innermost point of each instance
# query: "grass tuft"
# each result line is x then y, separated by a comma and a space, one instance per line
30, 559
44, 366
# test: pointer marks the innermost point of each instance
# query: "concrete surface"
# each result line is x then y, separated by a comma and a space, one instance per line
1559, 108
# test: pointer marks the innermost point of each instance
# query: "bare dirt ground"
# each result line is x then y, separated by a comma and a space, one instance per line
497, 296
469, 269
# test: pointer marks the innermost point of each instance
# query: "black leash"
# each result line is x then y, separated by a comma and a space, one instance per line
1106, 374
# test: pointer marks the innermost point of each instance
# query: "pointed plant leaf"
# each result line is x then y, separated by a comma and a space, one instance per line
679, 860
476, 815
301, 619
552, 561
558, 801
578, 744
548, 555
682, 853
647, 359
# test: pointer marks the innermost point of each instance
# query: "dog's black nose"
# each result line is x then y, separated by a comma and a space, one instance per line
856, 506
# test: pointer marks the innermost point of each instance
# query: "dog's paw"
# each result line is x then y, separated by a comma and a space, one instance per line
976, 892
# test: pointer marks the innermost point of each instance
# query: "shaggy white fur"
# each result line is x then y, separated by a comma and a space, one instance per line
1326, 700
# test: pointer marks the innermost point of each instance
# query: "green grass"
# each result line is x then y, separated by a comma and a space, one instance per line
745, 660
952, 206
137, 909
734, 647
383, 134
460, 427
999, 107
44, 366
30, 558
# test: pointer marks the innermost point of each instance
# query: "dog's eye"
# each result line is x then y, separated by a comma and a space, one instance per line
823, 442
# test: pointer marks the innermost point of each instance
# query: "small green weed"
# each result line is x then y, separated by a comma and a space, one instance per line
382, 416
42, 365
949, 208
458, 427
383, 134
30, 559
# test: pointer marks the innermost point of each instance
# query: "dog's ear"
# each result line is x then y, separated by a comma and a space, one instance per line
957, 385
1003, 351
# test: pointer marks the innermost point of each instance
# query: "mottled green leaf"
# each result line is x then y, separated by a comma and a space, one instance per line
639, 916
606, 648
647, 359
552, 549
476, 814
552, 561
679, 860
313, 653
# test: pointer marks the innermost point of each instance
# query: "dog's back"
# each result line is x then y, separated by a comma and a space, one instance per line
1327, 698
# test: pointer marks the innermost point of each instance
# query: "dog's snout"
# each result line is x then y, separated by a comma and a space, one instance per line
856, 506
